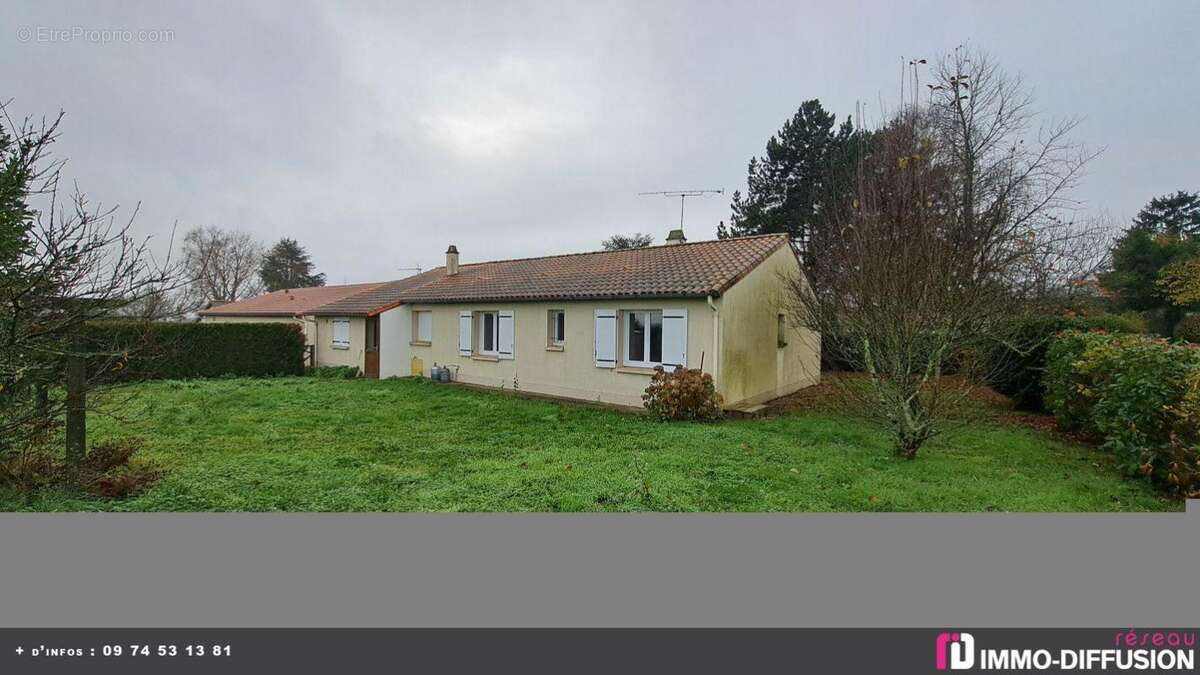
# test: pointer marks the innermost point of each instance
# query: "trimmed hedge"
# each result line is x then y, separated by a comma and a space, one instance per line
158, 351
1016, 367
1139, 395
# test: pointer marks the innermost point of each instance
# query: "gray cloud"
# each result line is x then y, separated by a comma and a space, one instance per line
378, 135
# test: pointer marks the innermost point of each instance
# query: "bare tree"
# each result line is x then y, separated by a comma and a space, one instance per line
621, 242
63, 263
222, 265
960, 219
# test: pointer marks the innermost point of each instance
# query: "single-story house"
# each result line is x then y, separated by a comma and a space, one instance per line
588, 326
290, 305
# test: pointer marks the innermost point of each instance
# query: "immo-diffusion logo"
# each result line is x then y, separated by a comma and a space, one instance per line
959, 647
1132, 650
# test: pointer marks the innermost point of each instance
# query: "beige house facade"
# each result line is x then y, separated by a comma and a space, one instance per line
587, 326
604, 350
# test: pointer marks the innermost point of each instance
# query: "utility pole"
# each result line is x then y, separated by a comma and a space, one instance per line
683, 194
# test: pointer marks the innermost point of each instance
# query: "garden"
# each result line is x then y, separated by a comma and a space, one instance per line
317, 444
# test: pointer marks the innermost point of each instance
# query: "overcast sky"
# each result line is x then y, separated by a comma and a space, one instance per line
378, 135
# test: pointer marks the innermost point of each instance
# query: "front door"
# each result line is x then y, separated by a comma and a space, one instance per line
371, 355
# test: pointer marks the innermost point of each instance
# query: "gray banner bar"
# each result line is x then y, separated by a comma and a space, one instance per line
653, 570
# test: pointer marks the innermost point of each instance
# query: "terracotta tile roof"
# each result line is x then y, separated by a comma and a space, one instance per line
289, 302
378, 299
680, 270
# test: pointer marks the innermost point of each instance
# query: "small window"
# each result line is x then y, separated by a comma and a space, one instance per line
341, 333
781, 328
488, 324
423, 326
643, 339
557, 329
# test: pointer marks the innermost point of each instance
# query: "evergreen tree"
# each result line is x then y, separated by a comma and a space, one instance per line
287, 265
1177, 214
1164, 235
1138, 258
806, 164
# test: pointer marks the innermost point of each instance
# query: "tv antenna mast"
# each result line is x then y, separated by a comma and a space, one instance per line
683, 195
416, 269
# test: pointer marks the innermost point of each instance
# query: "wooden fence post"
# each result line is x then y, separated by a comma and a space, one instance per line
76, 409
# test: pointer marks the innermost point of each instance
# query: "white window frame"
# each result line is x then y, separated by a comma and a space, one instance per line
418, 338
626, 329
554, 338
336, 343
481, 318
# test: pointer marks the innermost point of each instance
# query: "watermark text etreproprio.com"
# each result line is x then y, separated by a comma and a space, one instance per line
65, 34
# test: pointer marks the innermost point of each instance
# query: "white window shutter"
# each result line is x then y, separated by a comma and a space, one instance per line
504, 333
464, 333
674, 338
341, 332
606, 338
425, 326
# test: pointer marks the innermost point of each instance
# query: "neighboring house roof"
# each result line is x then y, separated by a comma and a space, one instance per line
672, 270
378, 299
288, 302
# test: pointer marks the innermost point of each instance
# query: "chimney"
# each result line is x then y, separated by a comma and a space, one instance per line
452, 260
676, 237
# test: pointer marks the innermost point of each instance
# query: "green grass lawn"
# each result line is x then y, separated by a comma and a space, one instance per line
302, 444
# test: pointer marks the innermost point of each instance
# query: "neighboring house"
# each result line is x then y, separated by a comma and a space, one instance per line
292, 305
349, 326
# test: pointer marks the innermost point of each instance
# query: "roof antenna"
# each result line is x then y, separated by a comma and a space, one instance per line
415, 268
684, 194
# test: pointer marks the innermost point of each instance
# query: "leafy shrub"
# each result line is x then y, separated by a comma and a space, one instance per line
1127, 322
1188, 328
1135, 321
333, 372
1016, 368
158, 350
684, 394
1161, 321
1139, 395
1067, 396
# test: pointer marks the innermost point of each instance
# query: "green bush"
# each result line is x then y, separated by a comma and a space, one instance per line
1016, 367
1139, 395
333, 372
157, 350
682, 394
1188, 328
1162, 321
1136, 321
1066, 396
1113, 323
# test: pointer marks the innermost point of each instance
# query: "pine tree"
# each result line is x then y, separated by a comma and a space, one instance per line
1177, 214
804, 165
287, 265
